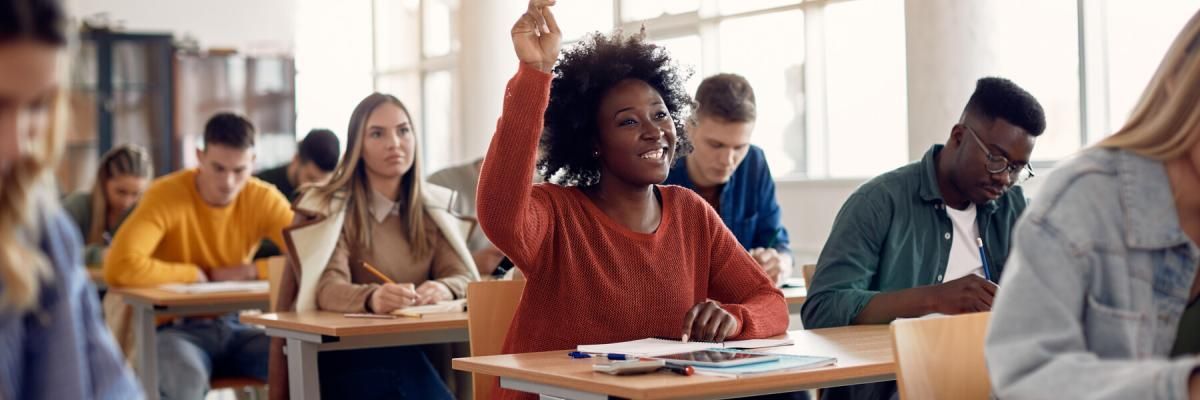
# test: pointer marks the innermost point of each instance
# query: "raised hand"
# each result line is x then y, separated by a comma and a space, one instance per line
536, 37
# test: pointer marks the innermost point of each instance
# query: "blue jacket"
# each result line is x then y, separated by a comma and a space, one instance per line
748, 205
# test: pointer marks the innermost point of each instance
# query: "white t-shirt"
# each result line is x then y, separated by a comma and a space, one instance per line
964, 253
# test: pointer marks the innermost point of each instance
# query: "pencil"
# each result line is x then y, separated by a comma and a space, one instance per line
373, 271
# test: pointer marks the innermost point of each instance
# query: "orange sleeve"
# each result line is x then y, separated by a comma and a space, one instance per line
515, 216
737, 281
130, 260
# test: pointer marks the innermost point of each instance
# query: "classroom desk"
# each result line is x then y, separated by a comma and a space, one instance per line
150, 303
795, 298
309, 333
864, 355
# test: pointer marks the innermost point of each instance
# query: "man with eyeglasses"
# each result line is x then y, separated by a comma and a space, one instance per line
907, 243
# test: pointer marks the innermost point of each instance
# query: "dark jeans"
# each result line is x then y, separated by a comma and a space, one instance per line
193, 351
384, 373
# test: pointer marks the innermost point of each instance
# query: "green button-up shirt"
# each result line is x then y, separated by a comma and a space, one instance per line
892, 234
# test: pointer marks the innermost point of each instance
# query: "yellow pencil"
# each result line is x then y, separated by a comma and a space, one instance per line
376, 272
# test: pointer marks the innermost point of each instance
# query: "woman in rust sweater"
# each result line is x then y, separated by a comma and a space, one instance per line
609, 254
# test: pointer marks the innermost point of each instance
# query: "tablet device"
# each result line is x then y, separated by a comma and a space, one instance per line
717, 358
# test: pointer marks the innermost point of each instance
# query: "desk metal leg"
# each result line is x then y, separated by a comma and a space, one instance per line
303, 377
545, 391
147, 349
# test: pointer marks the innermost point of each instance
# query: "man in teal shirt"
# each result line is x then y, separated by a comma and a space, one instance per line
905, 244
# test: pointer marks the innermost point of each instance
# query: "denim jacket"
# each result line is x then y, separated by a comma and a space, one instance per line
61, 349
1098, 280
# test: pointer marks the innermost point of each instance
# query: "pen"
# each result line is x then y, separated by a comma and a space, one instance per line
987, 273
685, 370
610, 356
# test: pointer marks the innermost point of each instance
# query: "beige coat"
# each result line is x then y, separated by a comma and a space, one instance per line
311, 240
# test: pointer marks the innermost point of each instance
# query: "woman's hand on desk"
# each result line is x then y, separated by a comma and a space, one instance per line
708, 322
392, 296
433, 291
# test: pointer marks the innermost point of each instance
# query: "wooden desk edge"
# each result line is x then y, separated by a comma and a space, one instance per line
303, 327
183, 299
747, 385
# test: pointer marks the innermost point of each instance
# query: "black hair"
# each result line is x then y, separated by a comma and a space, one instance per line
1001, 98
584, 74
320, 147
229, 129
41, 20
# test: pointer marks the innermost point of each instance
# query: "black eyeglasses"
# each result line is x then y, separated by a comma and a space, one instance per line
996, 164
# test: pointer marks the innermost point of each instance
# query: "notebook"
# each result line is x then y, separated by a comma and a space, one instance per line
785, 363
441, 307
652, 347
217, 287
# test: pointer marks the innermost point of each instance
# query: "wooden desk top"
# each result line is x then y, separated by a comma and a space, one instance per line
795, 295
160, 297
862, 352
334, 324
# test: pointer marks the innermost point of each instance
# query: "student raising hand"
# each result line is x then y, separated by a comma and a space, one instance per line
536, 37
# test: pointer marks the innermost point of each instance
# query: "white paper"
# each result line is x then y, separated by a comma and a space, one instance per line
218, 287
653, 347
441, 307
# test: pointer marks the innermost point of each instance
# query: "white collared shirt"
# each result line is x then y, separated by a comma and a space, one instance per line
382, 207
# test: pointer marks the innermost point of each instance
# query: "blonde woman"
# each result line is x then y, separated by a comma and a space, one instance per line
375, 212
1101, 298
124, 173
53, 344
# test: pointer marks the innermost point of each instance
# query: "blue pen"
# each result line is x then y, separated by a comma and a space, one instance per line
987, 272
610, 356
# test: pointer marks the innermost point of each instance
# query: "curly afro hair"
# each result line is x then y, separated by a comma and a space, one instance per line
583, 75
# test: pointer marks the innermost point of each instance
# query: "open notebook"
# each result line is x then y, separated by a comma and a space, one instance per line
218, 287
441, 307
652, 347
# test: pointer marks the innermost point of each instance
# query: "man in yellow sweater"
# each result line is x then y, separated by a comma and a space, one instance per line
199, 225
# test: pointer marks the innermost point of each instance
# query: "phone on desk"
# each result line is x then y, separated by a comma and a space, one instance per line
717, 358
628, 367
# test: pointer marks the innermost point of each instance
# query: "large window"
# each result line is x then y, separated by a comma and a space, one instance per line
1128, 39
416, 46
832, 95
810, 64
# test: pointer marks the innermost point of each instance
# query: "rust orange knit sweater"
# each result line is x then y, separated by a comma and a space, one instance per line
591, 280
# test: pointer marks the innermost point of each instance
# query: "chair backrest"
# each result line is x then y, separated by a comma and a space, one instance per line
807, 270
490, 309
941, 357
275, 266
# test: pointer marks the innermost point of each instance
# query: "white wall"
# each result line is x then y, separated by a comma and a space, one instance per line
948, 49
256, 26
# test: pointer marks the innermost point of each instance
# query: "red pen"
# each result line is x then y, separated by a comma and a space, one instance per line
685, 370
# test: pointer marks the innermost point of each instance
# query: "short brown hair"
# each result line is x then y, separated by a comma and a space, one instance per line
725, 96
229, 129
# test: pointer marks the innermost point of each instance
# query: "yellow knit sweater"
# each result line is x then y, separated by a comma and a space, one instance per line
173, 234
